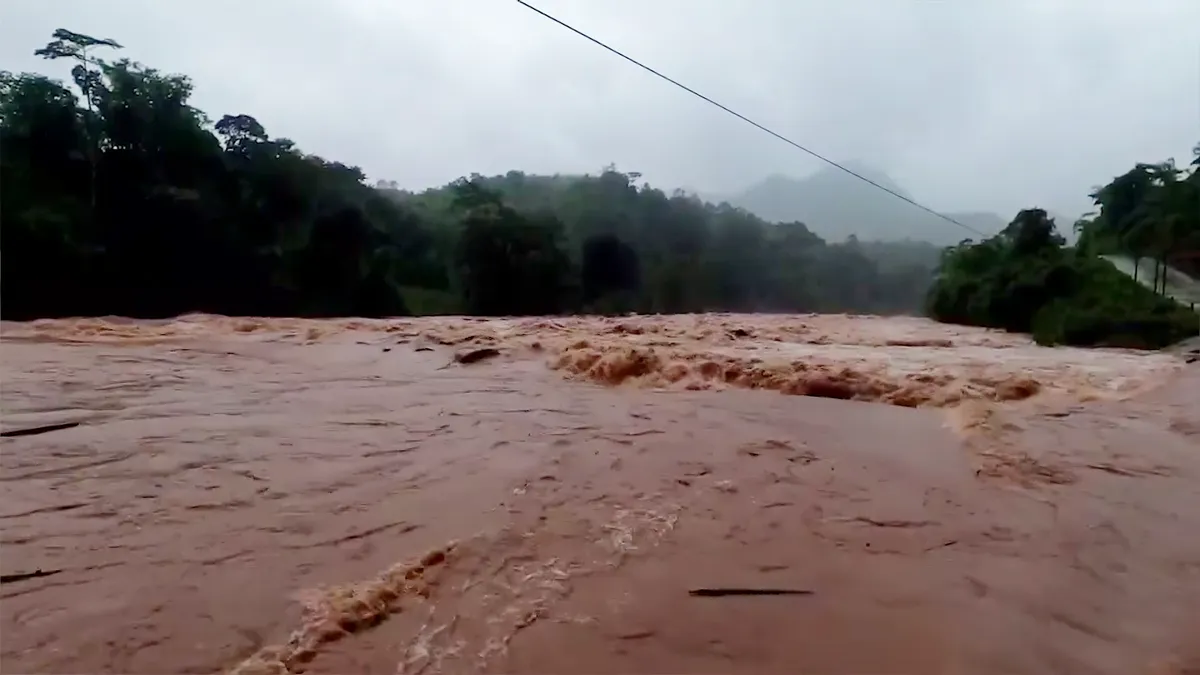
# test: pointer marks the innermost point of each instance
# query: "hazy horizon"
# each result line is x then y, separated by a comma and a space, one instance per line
982, 107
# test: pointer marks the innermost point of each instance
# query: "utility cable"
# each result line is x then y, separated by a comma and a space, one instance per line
747, 120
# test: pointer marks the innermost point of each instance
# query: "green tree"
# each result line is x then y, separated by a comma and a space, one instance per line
122, 198
1025, 278
508, 264
87, 75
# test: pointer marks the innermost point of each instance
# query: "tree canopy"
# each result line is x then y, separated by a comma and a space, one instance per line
120, 197
1026, 279
1151, 211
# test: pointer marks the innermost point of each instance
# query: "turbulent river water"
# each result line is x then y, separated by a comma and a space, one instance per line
546, 495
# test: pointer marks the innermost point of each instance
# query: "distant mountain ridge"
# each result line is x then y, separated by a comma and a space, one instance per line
835, 205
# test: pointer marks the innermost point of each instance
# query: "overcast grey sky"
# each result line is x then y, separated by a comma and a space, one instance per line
970, 104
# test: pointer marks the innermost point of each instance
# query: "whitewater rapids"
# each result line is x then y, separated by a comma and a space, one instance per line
540, 495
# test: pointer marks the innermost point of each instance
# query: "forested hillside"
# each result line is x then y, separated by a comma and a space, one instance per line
122, 198
1026, 279
1150, 212
119, 197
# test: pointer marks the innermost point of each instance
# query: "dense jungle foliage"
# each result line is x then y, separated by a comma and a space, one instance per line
1026, 279
121, 198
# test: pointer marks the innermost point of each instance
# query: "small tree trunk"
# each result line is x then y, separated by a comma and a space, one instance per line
93, 142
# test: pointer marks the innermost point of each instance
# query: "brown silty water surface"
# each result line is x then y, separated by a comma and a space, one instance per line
272, 496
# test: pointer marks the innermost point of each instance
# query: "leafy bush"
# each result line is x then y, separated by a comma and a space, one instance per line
1025, 280
1072, 325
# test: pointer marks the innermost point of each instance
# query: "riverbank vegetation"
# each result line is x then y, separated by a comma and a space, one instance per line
1027, 279
120, 197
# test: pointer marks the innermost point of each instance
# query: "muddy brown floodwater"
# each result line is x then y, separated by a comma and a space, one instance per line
273, 496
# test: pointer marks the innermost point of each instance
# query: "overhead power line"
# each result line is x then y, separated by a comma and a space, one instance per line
747, 120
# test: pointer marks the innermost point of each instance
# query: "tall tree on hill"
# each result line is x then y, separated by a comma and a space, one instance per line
67, 44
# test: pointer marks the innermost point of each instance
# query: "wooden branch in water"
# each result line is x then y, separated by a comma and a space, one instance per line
33, 431
23, 576
723, 592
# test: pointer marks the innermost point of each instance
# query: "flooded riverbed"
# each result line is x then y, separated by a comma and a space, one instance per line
342, 496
